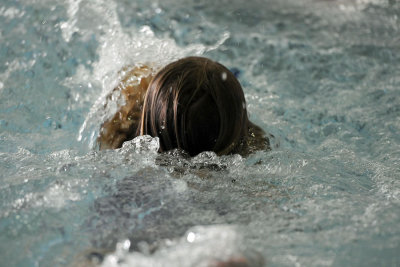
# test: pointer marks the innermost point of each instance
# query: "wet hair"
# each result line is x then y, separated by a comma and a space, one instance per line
195, 104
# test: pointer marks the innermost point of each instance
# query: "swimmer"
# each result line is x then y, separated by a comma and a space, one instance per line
193, 104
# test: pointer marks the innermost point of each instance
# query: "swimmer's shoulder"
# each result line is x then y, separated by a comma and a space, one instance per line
135, 80
257, 139
132, 88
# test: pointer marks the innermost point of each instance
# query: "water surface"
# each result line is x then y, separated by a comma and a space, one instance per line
321, 76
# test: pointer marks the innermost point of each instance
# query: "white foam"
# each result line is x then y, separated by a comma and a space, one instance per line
200, 246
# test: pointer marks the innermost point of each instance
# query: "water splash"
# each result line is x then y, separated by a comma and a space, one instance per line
201, 246
119, 47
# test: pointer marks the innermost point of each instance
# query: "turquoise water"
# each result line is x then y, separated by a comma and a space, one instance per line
322, 76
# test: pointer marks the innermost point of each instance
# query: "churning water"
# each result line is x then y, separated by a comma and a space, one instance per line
322, 76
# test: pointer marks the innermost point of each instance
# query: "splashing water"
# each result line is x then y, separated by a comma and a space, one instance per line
321, 76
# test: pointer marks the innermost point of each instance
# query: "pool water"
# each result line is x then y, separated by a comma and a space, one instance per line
322, 76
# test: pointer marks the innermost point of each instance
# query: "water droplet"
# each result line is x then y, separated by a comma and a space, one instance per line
224, 76
191, 237
126, 244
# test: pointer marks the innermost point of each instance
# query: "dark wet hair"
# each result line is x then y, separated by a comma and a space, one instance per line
196, 104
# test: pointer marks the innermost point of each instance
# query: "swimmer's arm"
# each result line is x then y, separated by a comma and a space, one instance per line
123, 124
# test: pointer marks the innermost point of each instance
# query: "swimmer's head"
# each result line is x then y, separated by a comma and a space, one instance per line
195, 104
